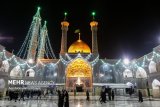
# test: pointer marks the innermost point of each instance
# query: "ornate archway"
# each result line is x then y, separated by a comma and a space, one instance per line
79, 74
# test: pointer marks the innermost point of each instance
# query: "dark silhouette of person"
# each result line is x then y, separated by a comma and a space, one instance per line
87, 94
15, 95
21, 96
103, 96
11, 95
109, 95
130, 91
140, 96
100, 99
27, 92
39, 94
66, 99
112, 95
74, 92
60, 99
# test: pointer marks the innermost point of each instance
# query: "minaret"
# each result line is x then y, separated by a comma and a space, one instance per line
94, 29
35, 26
64, 28
42, 41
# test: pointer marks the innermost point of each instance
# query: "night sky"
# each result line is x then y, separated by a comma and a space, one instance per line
128, 28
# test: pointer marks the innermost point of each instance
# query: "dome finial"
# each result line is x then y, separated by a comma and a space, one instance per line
79, 34
65, 15
93, 15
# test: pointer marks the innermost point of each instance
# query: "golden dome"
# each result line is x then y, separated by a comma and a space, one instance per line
79, 47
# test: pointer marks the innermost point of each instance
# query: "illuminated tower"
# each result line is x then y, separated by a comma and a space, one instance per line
41, 48
33, 43
64, 28
94, 29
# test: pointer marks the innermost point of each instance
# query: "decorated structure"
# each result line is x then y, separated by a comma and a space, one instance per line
78, 66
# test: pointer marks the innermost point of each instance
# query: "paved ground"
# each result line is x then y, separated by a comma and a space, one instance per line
80, 101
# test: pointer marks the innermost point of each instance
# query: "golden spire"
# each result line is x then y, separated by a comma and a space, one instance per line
79, 34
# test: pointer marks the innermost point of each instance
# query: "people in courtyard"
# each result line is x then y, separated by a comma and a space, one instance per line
103, 96
87, 94
112, 95
74, 92
39, 94
21, 96
66, 99
140, 96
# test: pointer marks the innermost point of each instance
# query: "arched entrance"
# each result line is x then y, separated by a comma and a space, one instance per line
79, 75
156, 88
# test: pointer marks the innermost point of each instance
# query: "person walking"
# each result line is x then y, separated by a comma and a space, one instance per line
74, 92
39, 94
21, 96
112, 95
87, 94
66, 99
59, 99
140, 96
103, 96
109, 95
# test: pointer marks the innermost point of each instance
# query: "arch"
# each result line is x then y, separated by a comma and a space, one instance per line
127, 73
51, 71
105, 67
16, 71
152, 67
5, 66
2, 83
155, 84
30, 73
79, 68
141, 73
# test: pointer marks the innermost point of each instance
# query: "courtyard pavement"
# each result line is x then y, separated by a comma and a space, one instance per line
80, 101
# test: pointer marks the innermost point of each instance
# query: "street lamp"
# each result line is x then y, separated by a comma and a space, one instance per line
126, 61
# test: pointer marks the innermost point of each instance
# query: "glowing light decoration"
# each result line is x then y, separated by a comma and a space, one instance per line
79, 81
31, 61
93, 15
41, 47
36, 39
65, 15
126, 61
55, 74
101, 75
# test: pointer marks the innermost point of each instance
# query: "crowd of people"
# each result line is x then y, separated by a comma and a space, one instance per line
18, 95
105, 91
108, 91
63, 98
